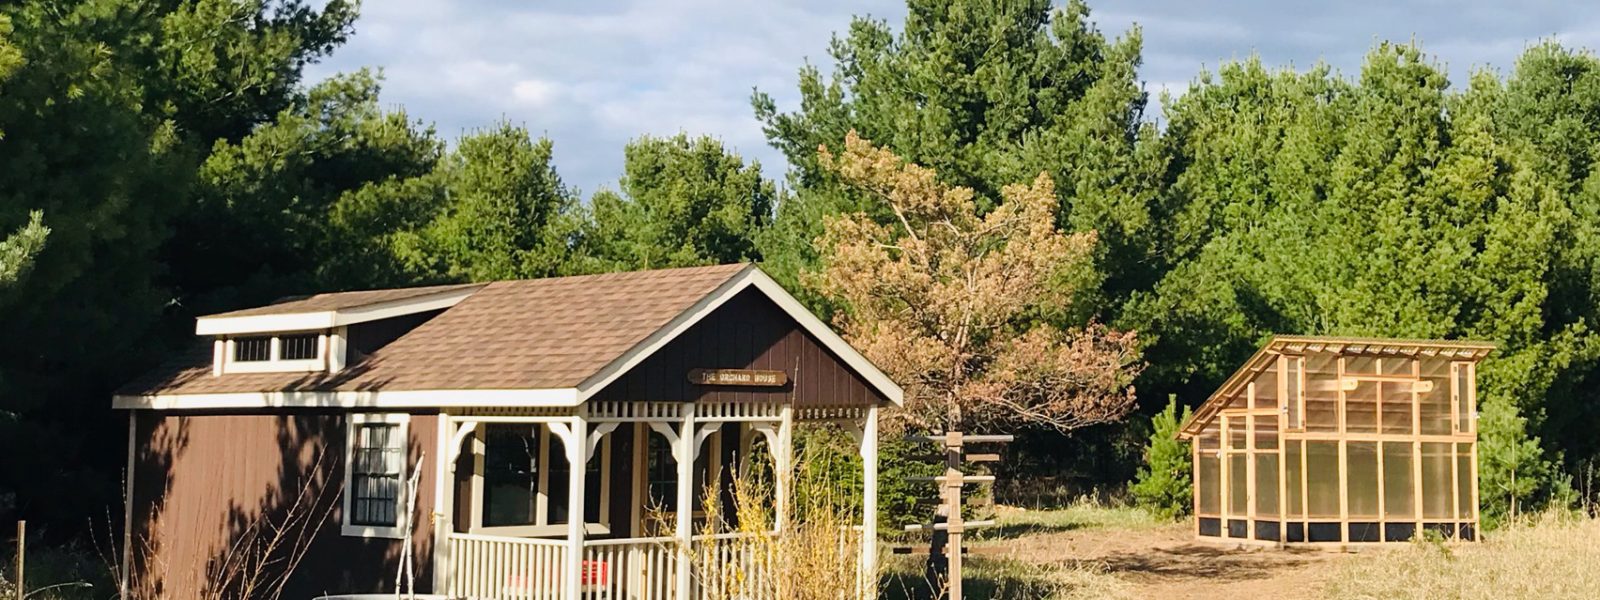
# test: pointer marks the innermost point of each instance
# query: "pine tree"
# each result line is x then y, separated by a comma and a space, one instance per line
986, 94
681, 202
1163, 484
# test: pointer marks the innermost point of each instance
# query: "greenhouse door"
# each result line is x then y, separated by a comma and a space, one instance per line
1236, 475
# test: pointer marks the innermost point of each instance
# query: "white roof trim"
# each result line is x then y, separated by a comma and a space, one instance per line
540, 398
328, 319
751, 276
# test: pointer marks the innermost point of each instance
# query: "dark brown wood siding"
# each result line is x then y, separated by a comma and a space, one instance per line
202, 481
748, 332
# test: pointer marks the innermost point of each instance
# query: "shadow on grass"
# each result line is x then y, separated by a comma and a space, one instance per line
1017, 586
1007, 531
993, 578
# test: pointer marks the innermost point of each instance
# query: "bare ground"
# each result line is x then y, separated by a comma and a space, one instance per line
1166, 562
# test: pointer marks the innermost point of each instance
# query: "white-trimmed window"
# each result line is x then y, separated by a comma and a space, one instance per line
520, 478
375, 475
297, 351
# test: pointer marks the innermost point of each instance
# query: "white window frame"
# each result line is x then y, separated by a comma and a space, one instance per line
403, 421
548, 443
641, 475
274, 363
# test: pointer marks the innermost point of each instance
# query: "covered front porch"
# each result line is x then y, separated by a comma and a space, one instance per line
515, 520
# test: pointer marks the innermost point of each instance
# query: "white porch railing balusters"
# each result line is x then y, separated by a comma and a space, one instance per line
504, 568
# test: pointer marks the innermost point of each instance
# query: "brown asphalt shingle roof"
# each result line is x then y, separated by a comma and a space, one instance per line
532, 334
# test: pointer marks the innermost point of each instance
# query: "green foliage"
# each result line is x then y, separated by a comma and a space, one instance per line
986, 94
18, 249
1382, 206
1163, 486
213, 177
268, 214
506, 214
1513, 474
682, 202
832, 459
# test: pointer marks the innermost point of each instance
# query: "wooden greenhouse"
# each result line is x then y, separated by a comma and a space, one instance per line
1337, 441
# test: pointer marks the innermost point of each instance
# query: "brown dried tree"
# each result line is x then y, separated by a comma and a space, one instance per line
950, 302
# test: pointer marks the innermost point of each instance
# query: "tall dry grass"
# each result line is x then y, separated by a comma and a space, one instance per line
816, 556
1554, 555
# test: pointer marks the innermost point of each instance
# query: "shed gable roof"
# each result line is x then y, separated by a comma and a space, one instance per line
567, 335
1296, 344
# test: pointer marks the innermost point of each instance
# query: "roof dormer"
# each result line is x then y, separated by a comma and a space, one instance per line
312, 333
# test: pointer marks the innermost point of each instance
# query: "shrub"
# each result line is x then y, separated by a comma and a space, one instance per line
816, 557
1163, 485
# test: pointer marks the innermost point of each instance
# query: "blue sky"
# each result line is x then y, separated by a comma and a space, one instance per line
594, 74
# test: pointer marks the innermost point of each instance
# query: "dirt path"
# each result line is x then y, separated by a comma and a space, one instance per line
1167, 563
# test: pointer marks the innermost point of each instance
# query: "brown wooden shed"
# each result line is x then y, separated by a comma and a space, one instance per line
487, 394
1336, 441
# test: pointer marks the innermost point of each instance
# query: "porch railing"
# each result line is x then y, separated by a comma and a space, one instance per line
735, 565
630, 569
500, 567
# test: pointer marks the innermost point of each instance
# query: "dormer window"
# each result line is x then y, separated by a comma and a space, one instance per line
300, 351
299, 347
252, 349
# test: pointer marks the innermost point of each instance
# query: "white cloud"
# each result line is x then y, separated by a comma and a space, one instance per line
534, 93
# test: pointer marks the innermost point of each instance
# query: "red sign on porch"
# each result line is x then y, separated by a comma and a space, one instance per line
746, 377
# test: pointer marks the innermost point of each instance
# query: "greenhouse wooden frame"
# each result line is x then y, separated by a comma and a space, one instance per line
1334, 442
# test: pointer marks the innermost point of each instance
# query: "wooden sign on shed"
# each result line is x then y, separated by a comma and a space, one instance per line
742, 377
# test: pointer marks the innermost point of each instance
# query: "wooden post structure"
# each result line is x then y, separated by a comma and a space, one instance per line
22, 544
945, 548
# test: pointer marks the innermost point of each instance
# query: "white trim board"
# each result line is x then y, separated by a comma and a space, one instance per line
374, 399
329, 319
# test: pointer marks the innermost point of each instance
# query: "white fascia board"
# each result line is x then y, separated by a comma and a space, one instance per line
750, 277
539, 398
328, 319
310, 321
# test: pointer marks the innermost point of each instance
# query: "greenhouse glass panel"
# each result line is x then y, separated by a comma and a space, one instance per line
1362, 474
1436, 500
1267, 485
1322, 479
1399, 493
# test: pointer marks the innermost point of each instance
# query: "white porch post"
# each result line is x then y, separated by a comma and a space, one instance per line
869, 503
783, 459
443, 501
452, 434
576, 439
685, 453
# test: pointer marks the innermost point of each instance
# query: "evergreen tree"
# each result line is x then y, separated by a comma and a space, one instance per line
1163, 486
985, 94
682, 202
106, 110
18, 249
1380, 207
506, 213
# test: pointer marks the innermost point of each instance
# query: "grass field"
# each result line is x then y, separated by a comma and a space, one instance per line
1096, 551
1090, 550
1552, 556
